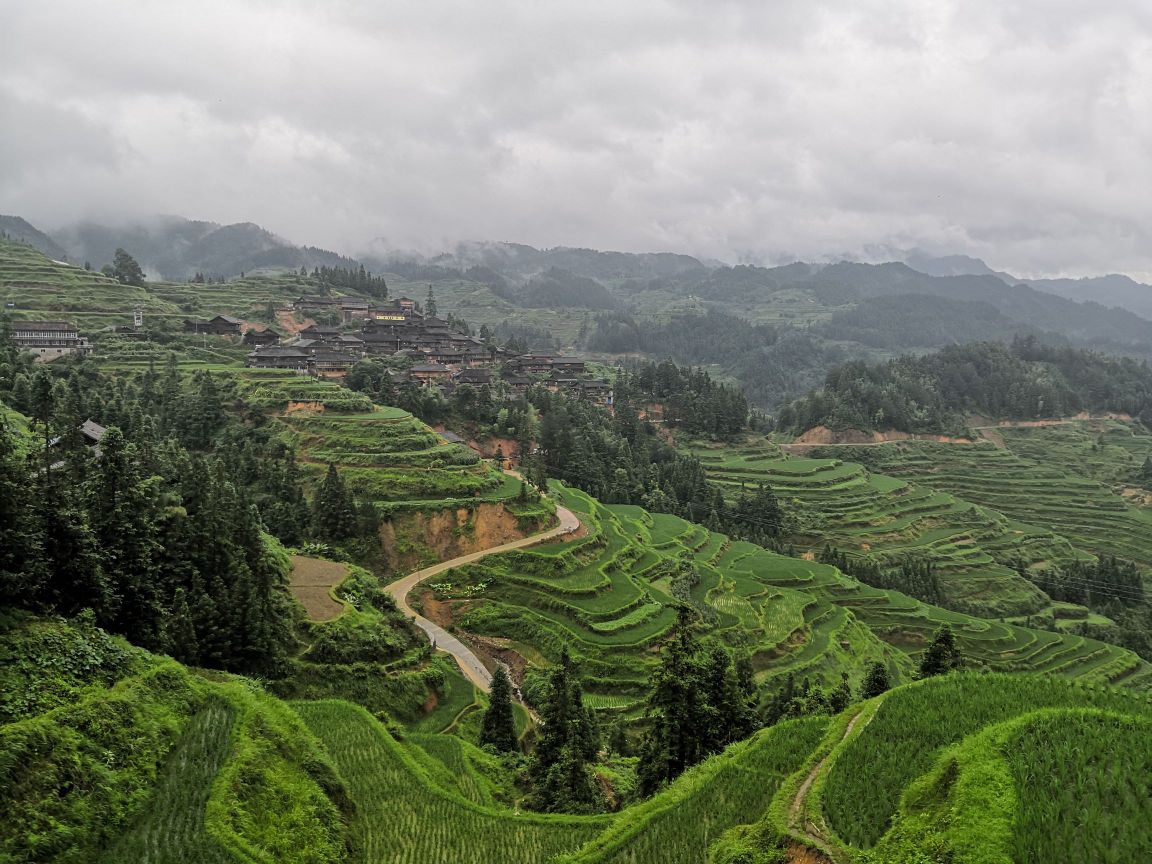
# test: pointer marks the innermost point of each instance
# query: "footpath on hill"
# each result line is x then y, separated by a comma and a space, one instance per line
469, 663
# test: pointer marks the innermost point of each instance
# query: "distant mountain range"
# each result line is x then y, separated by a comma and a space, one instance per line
171, 247
1112, 290
858, 295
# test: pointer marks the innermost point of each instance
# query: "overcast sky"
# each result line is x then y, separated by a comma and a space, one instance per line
1017, 131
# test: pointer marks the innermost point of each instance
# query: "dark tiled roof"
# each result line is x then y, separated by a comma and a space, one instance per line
43, 325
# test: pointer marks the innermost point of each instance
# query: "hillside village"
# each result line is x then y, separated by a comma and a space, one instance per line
438, 353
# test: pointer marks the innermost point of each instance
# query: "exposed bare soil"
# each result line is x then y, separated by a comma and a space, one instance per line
311, 583
446, 533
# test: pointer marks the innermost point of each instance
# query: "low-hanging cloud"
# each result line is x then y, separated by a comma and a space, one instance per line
1017, 130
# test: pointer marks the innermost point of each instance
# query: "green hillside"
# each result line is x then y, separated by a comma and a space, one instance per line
609, 598
108, 753
886, 518
34, 287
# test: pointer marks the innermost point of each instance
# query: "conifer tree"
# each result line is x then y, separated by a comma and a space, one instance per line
875, 681
681, 720
430, 304
568, 743
942, 656
498, 728
333, 511
126, 270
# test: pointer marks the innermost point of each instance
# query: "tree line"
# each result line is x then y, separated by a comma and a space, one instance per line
165, 527
935, 393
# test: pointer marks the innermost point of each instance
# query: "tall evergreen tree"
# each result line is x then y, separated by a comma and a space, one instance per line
126, 270
334, 512
430, 304
942, 656
875, 681
498, 728
568, 743
680, 719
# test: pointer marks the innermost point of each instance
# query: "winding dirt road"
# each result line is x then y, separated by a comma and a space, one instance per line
469, 663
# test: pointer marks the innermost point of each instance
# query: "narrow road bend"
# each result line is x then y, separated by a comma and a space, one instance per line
469, 663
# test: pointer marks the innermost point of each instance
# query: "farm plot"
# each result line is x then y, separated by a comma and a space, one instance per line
1040, 488
887, 519
913, 725
401, 813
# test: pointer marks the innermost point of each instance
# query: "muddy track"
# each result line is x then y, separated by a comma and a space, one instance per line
810, 830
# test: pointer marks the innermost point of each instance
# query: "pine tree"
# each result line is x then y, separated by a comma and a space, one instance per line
126, 270
841, 696
333, 511
498, 728
680, 718
875, 681
942, 656
568, 743
430, 304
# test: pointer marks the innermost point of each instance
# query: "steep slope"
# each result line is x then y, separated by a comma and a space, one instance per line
21, 231
112, 754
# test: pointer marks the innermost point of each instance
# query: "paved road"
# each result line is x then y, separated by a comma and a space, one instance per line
469, 663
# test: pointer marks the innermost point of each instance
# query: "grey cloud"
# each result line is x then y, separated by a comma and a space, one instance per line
1017, 131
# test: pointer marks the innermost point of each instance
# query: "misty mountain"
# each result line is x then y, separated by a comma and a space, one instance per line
1113, 289
559, 288
22, 231
516, 262
177, 248
1086, 322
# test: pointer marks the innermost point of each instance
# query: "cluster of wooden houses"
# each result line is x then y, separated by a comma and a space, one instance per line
440, 356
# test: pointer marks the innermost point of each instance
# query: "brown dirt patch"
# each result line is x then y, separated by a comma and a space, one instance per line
288, 323
311, 583
822, 436
430, 703
410, 538
798, 854
310, 407
436, 611
497, 650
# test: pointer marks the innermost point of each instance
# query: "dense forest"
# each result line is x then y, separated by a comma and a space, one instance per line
1024, 380
771, 364
168, 527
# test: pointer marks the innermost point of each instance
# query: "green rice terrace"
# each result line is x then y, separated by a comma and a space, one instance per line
35, 287
887, 518
39, 288
1050, 476
609, 598
205, 767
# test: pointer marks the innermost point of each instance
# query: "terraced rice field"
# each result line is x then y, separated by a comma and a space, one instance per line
388, 456
888, 518
403, 828
1035, 480
41, 289
608, 598
429, 794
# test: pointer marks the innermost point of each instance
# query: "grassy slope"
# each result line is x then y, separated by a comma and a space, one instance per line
915, 723
607, 598
93, 726
407, 807
888, 518
1053, 786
